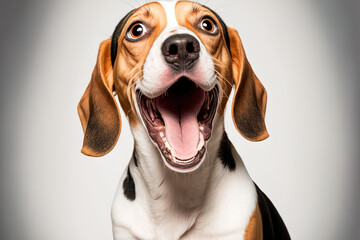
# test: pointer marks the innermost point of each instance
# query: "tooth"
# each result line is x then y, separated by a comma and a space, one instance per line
167, 145
162, 134
184, 162
201, 142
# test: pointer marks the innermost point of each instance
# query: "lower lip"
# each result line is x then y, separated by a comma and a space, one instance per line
186, 166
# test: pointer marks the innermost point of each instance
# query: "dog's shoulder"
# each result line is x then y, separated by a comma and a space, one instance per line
272, 223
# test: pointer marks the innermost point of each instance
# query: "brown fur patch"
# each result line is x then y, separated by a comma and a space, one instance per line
249, 102
253, 230
131, 56
98, 111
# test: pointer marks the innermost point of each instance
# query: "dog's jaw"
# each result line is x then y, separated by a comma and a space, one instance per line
179, 123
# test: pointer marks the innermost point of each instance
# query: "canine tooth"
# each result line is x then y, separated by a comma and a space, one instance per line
162, 134
201, 142
201, 128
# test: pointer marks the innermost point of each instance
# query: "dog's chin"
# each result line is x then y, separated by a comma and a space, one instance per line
179, 122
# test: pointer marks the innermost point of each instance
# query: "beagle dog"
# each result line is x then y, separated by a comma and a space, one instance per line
172, 65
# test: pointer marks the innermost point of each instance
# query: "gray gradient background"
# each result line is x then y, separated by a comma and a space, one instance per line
306, 53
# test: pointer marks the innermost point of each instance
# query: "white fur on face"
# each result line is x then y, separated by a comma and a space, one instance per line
158, 75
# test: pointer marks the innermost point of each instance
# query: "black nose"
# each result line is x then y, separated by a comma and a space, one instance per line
181, 51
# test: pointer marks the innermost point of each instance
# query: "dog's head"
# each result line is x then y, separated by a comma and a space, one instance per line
172, 66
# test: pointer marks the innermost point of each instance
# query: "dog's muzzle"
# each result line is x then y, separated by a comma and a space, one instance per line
179, 117
181, 51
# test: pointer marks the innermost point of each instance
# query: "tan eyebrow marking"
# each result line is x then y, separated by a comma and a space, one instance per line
195, 8
147, 11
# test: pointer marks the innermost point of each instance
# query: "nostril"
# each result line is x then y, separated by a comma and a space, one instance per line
181, 51
173, 50
190, 47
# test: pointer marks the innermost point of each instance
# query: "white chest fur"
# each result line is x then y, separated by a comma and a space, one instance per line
212, 203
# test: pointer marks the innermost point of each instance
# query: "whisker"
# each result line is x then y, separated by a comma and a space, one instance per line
206, 3
222, 90
217, 65
128, 4
141, 71
133, 81
136, 68
138, 3
222, 6
128, 92
226, 81
221, 87
222, 77
132, 85
218, 61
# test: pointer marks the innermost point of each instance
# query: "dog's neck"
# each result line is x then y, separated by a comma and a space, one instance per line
168, 191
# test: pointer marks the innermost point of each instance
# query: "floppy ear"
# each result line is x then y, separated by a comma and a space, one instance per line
99, 114
249, 102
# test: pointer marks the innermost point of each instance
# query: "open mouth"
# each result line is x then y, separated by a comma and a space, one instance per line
180, 121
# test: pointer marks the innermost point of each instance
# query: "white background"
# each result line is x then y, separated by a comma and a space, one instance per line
304, 52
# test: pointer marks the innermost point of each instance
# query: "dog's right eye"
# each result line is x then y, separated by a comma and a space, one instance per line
136, 31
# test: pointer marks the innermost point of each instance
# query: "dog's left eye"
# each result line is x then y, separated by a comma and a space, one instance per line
208, 25
136, 31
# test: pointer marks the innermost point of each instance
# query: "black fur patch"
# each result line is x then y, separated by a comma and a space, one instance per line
129, 186
115, 37
224, 153
135, 159
223, 26
273, 226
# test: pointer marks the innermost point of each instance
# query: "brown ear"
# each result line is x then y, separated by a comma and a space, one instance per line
249, 103
99, 114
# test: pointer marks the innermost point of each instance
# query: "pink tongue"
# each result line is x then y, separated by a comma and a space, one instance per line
179, 111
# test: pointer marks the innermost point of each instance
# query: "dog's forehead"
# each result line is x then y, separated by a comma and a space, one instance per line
170, 11
175, 10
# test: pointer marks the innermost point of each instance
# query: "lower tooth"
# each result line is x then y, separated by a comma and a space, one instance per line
184, 162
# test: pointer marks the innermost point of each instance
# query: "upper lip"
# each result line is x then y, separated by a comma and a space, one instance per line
162, 89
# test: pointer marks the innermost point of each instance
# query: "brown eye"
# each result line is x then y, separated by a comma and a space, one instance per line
208, 25
136, 31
